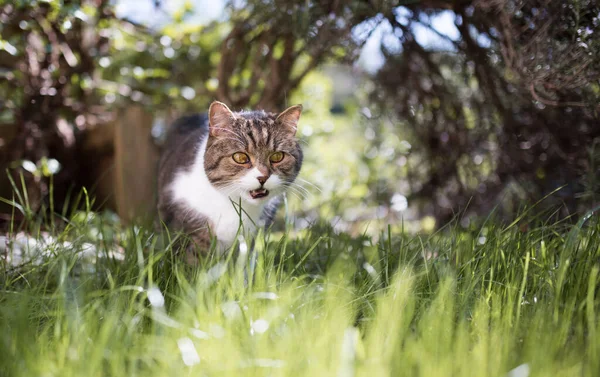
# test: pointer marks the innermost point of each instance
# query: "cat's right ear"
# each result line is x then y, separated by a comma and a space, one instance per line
220, 119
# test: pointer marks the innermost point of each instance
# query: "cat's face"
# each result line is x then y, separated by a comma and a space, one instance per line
252, 155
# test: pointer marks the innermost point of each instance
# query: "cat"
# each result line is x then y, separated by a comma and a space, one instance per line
225, 171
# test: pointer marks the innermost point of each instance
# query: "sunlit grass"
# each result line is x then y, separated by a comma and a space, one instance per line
492, 301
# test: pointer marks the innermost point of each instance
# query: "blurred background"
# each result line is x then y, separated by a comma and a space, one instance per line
416, 112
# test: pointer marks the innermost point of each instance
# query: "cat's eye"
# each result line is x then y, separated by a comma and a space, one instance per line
241, 158
276, 157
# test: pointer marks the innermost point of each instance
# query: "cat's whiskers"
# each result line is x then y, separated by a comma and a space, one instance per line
292, 192
298, 194
309, 183
295, 190
299, 188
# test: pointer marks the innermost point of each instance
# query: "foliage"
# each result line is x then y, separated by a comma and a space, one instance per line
509, 111
103, 299
66, 65
48, 58
486, 120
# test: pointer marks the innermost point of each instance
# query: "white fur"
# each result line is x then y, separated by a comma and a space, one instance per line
250, 182
195, 192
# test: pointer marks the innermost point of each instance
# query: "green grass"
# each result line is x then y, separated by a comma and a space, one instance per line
477, 302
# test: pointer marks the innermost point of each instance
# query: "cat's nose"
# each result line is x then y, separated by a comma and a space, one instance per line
262, 179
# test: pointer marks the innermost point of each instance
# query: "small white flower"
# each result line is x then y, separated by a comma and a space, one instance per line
259, 326
188, 351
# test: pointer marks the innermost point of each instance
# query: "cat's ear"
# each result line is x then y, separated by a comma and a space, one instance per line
220, 118
289, 118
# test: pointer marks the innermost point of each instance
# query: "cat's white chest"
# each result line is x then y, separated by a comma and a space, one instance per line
197, 194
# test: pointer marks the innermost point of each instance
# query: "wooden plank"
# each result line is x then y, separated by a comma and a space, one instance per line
136, 159
7, 133
97, 166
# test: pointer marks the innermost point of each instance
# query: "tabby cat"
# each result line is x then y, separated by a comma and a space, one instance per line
224, 170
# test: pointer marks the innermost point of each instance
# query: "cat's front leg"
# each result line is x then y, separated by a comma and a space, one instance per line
193, 240
198, 247
200, 242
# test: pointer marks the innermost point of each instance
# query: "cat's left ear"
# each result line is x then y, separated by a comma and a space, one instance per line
290, 117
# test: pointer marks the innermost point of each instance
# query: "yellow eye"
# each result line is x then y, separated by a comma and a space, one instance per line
276, 157
241, 158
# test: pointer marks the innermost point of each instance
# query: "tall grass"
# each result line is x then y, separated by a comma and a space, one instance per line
491, 301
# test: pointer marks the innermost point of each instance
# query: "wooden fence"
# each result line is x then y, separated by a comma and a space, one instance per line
120, 159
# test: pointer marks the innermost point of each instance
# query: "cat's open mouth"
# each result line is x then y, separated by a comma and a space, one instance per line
259, 193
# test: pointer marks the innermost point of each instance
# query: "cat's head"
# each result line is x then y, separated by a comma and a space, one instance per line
253, 155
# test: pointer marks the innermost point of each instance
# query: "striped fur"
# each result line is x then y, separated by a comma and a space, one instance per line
201, 186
